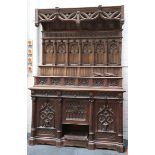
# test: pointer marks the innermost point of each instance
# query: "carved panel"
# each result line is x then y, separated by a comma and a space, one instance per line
112, 82
83, 82
46, 114
114, 52
100, 52
98, 82
46, 132
73, 52
48, 48
105, 118
86, 52
75, 111
61, 52
105, 135
69, 81
55, 81
41, 80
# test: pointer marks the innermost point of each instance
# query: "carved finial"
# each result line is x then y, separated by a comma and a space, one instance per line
100, 6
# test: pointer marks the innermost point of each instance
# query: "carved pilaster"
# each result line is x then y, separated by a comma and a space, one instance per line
33, 122
91, 144
67, 49
59, 122
55, 51
120, 119
80, 50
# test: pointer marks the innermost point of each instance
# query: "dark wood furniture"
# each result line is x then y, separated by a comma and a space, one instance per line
77, 97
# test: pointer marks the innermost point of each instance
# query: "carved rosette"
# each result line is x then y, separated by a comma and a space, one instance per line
98, 82
69, 81
55, 81
83, 82
41, 81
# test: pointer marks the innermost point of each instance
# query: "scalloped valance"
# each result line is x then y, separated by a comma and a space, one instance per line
78, 15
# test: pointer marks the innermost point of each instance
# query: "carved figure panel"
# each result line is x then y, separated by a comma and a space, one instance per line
86, 52
100, 53
48, 51
73, 52
61, 52
46, 114
113, 52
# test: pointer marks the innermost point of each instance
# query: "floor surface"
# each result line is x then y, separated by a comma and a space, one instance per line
52, 150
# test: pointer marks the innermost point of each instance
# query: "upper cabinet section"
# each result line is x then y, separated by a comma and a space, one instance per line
81, 36
92, 18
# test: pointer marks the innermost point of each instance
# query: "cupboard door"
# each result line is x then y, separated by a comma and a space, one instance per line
106, 120
46, 117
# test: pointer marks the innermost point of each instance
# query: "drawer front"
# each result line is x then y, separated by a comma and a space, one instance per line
75, 111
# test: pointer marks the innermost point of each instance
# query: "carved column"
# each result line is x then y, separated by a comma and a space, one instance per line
43, 52
59, 122
33, 122
91, 144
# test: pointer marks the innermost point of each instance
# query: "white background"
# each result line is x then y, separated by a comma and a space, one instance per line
13, 78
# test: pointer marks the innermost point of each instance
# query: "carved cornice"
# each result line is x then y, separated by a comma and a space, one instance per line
79, 14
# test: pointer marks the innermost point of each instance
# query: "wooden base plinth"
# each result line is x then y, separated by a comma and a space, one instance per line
91, 145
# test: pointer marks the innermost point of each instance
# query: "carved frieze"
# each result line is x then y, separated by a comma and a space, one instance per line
78, 15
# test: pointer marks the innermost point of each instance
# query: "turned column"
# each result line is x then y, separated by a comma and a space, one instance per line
33, 122
91, 144
59, 122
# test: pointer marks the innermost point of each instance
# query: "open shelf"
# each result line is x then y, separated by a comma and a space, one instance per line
75, 132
